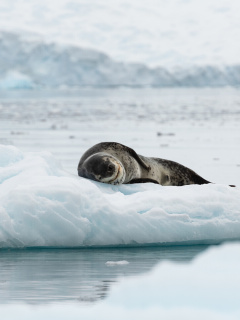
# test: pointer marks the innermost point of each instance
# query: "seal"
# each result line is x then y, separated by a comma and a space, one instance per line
115, 163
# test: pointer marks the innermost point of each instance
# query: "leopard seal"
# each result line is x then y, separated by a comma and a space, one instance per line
115, 163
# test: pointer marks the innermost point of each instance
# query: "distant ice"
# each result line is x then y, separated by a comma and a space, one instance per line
15, 80
117, 263
42, 205
156, 33
31, 63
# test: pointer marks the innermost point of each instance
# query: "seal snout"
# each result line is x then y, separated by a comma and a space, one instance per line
111, 168
107, 170
102, 167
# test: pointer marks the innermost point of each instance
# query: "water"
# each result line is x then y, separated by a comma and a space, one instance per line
196, 127
82, 276
172, 283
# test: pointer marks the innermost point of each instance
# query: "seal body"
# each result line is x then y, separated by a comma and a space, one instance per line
114, 163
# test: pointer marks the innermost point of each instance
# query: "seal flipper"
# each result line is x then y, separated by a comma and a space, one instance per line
142, 180
137, 158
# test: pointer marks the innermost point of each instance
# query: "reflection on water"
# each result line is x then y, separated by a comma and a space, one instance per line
41, 276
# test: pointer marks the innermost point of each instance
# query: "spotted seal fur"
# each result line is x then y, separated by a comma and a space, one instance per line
115, 163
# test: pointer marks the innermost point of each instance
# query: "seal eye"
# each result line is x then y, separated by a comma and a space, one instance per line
110, 168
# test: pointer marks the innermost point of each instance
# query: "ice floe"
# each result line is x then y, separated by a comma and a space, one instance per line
117, 263
41, 205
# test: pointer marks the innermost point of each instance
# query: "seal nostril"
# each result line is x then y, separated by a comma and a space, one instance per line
110, 168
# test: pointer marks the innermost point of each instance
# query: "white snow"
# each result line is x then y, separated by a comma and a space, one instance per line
42, 205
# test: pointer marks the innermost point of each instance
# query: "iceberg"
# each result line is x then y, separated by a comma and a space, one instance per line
207, 287
42, 205
16, 80
36, 63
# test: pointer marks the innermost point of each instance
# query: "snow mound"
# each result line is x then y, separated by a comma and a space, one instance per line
41, 205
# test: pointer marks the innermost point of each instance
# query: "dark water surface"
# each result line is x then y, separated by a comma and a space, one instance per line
67, 275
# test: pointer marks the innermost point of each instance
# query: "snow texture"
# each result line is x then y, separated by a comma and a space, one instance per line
32, 63
43, 206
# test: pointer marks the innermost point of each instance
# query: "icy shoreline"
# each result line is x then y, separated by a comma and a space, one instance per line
41, 205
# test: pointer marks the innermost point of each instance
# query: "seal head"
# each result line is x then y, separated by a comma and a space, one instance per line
103, 167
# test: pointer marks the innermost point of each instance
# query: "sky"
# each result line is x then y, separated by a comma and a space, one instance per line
154, 32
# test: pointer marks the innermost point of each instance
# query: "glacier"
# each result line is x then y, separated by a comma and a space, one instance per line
41, 205
178, 32
32, 62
